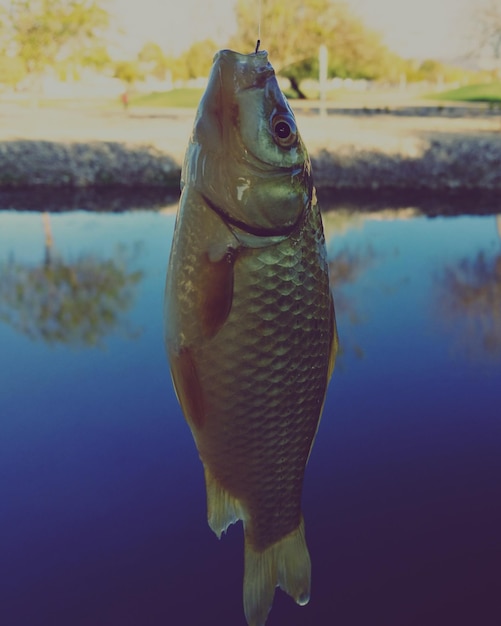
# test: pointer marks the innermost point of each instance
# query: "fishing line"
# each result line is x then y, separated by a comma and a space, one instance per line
258, 43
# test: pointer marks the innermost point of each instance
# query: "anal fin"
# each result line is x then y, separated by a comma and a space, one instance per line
222, 508
285, 564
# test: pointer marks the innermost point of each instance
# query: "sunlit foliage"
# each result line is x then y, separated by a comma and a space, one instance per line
44, 33
293, 31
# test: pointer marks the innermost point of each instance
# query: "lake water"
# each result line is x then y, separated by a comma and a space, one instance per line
102, 501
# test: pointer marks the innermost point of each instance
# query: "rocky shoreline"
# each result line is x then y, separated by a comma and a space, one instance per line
448, 164
34, 163
453, 163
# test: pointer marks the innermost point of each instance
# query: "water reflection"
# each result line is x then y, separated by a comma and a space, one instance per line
345, 268
353, 259
76, 302
102, 495
470, 299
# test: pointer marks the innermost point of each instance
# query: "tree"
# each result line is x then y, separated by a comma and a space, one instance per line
42, 33
434, 71
77, 302
11, 70
354, 50
488, 25
153, 61
471, 298
197, 60
128, 71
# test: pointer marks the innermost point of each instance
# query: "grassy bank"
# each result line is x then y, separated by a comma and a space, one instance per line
177, 98
489, 93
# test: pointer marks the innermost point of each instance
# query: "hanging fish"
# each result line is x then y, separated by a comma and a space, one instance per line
249, 319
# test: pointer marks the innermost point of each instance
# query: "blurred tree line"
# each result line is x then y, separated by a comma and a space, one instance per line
36, 35
488, 29
68, 35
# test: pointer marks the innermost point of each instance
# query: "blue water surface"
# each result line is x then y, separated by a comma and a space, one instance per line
102, 501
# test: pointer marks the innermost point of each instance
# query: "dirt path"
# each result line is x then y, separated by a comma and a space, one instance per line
169, 129
432, 148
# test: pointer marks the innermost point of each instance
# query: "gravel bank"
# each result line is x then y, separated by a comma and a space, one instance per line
34, 163
443, 163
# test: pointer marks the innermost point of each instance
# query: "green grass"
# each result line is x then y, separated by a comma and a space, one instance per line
489, 92
178, 98
190, 97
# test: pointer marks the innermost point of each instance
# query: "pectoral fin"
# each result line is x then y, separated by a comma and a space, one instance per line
218, 280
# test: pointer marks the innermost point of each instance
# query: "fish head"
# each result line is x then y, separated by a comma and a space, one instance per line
246, 156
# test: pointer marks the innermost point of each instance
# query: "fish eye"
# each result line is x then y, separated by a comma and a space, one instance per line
284, 130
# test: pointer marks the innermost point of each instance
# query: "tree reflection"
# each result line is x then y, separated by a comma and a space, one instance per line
345, 268
471, 294
75, 302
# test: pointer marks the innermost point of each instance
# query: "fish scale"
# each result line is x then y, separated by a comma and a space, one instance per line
258, 408
249, 319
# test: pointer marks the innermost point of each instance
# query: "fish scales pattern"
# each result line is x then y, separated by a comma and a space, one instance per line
264, 377
249, 319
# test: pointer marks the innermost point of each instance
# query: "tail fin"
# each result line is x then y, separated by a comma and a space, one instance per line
285, 564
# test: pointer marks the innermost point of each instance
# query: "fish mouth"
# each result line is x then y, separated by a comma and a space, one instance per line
257, 231
250, 70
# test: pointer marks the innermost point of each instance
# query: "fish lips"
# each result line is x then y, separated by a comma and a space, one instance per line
243, 70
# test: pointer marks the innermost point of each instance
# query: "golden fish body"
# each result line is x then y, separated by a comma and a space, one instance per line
249, 319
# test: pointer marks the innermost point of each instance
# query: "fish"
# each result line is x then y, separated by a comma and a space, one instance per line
249, 320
